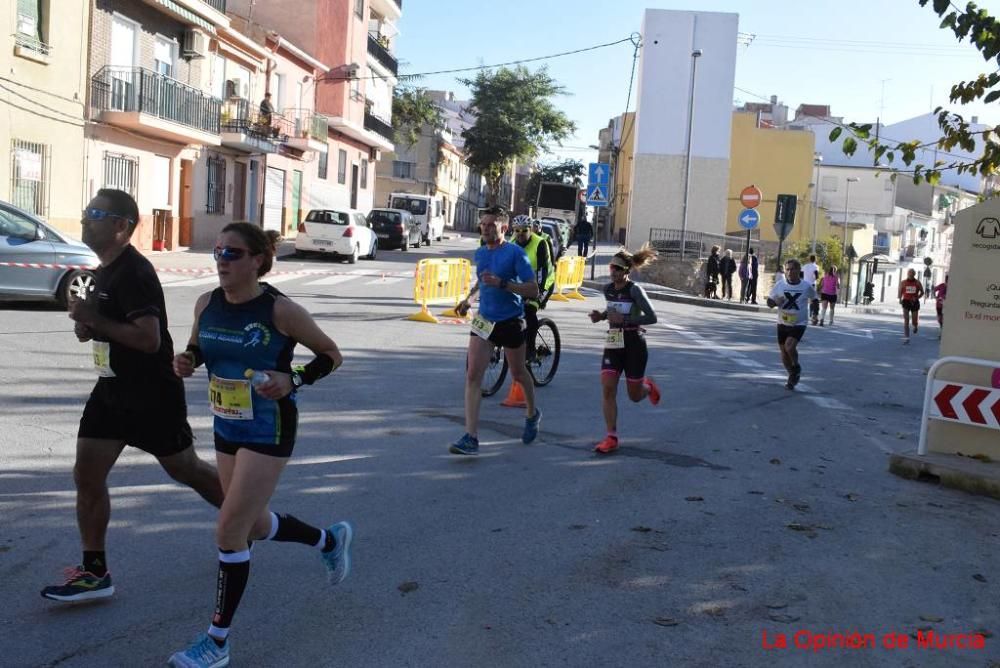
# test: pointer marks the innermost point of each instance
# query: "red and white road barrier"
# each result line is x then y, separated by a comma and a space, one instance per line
957, 402
46, 265
202, 271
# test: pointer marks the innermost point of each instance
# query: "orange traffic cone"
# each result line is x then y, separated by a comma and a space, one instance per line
515, 398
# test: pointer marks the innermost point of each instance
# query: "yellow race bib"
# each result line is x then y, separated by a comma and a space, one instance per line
789, 318
102, 359
230, 399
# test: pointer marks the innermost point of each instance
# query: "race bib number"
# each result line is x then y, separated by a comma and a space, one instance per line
102, 359
230, 399
615, 339
910, 289
789, 318
482, 327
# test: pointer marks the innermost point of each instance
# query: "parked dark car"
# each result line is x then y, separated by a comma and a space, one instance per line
395, 228
27, 239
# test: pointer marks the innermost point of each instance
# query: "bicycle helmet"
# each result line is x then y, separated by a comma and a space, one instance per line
521, 221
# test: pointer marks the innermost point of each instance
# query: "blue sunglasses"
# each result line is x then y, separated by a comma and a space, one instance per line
100, 214
229, 254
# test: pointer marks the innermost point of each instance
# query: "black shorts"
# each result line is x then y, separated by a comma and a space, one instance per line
790, 331
155, 423
832, 299
911, 304
631, 359
507, 333
285, 443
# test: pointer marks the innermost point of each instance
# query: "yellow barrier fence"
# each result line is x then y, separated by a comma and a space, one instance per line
569, 276
440, 281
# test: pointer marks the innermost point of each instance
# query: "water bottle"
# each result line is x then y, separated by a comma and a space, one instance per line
256, 378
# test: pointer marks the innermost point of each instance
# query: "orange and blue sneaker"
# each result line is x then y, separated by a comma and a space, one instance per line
654, 390
607, 446
80, 585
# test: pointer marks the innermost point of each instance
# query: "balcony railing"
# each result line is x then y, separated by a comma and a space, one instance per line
378, 126
136, 89
381, 54
307, 123
219, 5
32, 44
239, 115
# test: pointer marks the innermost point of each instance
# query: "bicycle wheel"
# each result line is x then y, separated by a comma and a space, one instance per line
544, 359
496, 372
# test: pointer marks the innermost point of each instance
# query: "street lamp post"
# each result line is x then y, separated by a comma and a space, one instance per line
847, 208
818, 161
695, 55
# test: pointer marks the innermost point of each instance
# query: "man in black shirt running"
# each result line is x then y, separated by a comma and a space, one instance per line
137, 400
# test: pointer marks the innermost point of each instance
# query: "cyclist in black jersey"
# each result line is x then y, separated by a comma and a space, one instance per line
137, 400
245, 332
625, 345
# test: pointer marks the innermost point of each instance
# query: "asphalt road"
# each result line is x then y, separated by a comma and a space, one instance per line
735, 509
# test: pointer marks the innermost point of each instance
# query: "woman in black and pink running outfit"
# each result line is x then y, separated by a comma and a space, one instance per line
625, 346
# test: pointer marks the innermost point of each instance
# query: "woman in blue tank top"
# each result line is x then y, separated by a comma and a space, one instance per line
245, 333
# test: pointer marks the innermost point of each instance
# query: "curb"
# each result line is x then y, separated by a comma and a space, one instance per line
952, 471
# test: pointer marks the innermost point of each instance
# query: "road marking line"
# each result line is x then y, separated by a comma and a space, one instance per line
205, 280
385, 281
333, 280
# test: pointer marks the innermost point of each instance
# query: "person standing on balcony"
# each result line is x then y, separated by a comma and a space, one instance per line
266, 111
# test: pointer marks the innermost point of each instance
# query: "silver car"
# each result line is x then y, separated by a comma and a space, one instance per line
56, 262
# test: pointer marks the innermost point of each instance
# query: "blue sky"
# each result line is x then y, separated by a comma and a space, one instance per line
843, 53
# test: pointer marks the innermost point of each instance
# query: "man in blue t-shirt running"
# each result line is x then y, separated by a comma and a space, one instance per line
505, 280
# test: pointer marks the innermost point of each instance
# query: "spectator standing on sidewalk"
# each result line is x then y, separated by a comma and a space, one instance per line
810, 273
744, 273
727, 267
584, 233
712, 274
753, 274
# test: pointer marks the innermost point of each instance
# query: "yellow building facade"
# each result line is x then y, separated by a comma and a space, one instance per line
622, 169
779, 162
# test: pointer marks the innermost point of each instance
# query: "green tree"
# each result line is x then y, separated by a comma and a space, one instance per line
515, 120
828, 251
412, 109
983, 33
567, 171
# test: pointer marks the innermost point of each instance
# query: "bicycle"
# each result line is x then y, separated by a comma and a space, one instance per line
542, 362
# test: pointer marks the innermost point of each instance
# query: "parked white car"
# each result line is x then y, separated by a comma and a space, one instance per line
342, 233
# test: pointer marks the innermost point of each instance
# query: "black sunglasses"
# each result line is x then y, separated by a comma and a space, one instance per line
229, 254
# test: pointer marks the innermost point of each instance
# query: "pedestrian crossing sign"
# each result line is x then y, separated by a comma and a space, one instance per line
597, 195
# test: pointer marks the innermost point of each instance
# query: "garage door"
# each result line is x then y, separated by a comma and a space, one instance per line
274, 198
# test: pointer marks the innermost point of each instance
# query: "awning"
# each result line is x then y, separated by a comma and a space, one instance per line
882, 259
186, 14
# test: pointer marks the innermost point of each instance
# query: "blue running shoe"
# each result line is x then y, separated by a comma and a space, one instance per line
203, 653
467, 445
531, 427
338, 560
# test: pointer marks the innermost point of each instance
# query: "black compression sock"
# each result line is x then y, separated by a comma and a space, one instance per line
234, 571
293, 530
95, 562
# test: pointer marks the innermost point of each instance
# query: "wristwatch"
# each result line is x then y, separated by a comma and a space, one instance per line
297, 380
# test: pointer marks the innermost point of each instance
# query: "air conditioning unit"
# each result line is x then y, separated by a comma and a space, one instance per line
195, 44
374, 154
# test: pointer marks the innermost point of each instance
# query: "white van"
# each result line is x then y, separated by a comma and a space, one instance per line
426, 209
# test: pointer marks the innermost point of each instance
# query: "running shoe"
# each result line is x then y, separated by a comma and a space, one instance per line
607, 446
203, 653
906, 340
467, 445
654, 390
796, 375
80, 585
914, 329
822, 323
531, 427
338, 560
